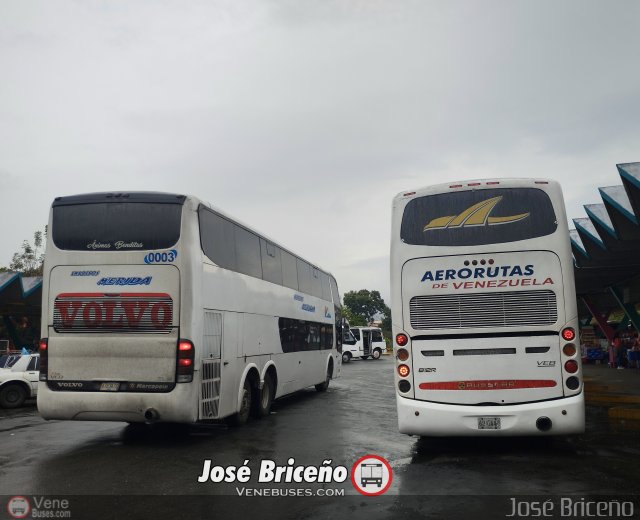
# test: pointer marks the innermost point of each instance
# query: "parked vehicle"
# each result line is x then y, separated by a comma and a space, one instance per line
20, 382
363, 342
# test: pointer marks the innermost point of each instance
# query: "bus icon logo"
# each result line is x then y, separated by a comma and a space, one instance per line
18, 507
371, 475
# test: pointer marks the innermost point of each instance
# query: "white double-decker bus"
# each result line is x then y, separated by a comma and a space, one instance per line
157, 307
484, 310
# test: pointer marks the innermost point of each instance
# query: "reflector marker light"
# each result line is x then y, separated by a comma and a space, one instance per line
489, 384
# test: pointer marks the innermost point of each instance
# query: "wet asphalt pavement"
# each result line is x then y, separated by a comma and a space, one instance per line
355, 417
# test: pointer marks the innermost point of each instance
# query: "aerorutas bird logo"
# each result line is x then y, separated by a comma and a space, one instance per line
476, 215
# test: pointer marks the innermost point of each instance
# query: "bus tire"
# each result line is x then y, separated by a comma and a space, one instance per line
12, 396
322, 387
262, 404
346, 357
377, 353
242, 416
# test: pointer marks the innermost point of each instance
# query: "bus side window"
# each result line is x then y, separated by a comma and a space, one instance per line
248, 253
217, 239
271, 262
304, 276
316, 283
289, 271
326, 286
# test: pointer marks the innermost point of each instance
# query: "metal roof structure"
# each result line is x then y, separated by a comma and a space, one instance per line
606, 249
20, 295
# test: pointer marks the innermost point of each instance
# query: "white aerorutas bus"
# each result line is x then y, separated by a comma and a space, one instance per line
158, 307
484, 310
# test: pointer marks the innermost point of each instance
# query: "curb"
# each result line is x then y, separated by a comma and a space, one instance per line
618, 412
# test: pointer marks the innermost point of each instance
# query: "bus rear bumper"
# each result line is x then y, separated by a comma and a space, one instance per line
126, 407
446, 420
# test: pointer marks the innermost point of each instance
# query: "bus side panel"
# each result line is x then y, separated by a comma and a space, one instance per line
232, 364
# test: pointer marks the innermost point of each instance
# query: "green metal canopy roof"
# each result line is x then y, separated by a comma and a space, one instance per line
20, 295
606, 243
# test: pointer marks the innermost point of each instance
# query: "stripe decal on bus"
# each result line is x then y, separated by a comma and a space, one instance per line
489, 384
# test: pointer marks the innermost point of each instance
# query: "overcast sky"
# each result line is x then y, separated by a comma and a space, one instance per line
304, 118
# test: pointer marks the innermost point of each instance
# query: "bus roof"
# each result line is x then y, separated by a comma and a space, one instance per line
472, 184
158, 197
120, 196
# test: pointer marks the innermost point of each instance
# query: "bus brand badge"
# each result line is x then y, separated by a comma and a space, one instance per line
476, 215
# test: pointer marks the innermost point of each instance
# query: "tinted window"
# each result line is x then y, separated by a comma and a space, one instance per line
313, 339
377, 336
33, 364
217, 239
248, 259
334, 290
116, 226
476, 217
326, 287
304, 276
271, 262
289, 270
316, 284
356, 333
299, 335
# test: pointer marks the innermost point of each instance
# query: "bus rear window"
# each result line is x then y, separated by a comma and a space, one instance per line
116, 226
477, 217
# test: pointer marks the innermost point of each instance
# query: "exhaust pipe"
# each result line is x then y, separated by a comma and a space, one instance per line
544, 424
151, 415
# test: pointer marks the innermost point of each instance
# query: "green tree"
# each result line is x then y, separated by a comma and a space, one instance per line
366, 305
29, 259
354, 319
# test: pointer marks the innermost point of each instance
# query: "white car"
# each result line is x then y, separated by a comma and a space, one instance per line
20, 382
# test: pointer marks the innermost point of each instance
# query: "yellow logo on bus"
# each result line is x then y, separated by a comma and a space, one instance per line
476, 215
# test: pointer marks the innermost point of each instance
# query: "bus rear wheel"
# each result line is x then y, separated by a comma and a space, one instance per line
377, 353
346, 357
241, 418
322, 387
262, 406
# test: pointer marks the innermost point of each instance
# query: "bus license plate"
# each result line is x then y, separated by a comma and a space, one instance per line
109, 387
489, 423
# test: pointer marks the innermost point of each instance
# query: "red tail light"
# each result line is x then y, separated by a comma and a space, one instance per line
44, 358
568, 334
402, 340
571, 366
184, 370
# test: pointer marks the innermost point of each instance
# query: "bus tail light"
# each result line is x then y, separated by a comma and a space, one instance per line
573, 383
404, 386
403, 354
569, 350
184, 371
403, 370
568, 334
402, 339
43, 349
571, 366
